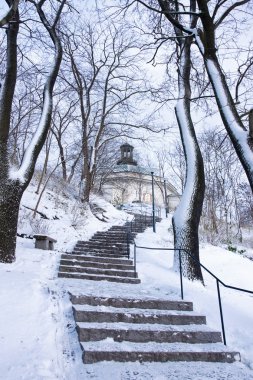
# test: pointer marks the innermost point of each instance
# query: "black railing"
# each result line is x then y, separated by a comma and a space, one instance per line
218, 281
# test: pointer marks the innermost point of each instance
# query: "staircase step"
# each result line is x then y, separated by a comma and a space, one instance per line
137, 317
98, 243
157, 352
91, 252
100, 259
102, 248
81, 276
110, 240
96, 271
93, 264
148, 333
146, 303
121, 234
112, 234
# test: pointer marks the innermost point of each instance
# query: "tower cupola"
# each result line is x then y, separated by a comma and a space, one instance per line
127, 155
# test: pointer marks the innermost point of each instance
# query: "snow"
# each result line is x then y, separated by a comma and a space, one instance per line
37, 330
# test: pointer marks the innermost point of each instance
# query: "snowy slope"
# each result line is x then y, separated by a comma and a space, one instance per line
68, 220
37, 332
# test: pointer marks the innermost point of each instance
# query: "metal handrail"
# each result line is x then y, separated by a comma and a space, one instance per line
218, 281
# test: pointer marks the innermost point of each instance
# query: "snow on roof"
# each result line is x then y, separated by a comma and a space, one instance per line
133, 169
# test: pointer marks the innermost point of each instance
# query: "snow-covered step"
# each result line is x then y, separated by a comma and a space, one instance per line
137, 317
109, 350
144, 303
97, 271
101, 247
97, 243
136, 310
94, 258
115, 234
93, 264
144, 326
110, 238
101, 250
145, 333
101, 253
81, 276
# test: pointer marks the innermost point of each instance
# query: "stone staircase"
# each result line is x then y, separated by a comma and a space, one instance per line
133, 329
145, 330
106, 255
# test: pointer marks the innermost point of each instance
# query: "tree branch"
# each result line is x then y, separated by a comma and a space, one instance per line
229, 10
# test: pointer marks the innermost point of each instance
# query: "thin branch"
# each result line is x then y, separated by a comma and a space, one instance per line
229, 10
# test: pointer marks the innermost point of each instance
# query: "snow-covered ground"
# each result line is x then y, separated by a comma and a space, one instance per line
37, 331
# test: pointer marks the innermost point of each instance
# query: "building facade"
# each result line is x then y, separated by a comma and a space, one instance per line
130, 183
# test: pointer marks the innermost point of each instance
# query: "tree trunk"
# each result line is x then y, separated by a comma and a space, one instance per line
63, 163
87, 187
187, 215
10, 191
10, 196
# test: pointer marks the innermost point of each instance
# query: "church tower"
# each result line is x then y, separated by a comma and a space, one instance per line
127, 155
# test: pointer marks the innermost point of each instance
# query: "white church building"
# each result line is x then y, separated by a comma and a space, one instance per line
129, 182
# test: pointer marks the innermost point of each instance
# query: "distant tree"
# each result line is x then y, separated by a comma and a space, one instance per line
64, 128
245, 199
221, 217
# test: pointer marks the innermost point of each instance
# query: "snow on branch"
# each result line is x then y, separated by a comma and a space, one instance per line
9, 14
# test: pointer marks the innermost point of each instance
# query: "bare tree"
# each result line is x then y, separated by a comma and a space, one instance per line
14, 180
212, 16
64, 122
106, 80
221, 218
186, 218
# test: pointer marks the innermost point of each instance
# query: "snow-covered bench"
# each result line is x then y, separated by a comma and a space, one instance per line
44, 242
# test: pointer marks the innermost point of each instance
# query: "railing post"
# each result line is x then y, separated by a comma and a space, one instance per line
165, 199
153, 201
135, 274
181, 275
128, 245
221, 313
